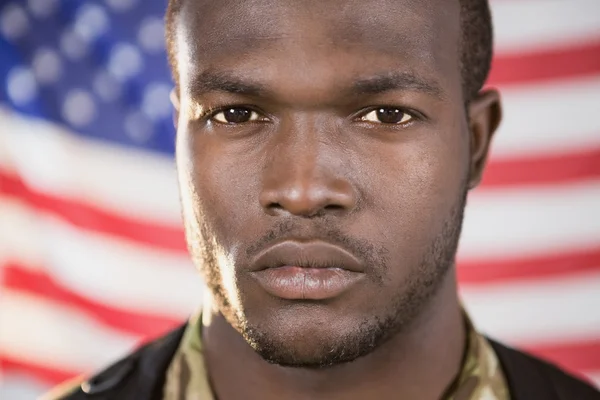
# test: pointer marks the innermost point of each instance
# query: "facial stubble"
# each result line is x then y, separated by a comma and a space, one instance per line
412, 296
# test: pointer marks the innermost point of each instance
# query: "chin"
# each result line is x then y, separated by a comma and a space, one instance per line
315, 342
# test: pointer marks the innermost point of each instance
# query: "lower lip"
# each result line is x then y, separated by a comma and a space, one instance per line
297, 283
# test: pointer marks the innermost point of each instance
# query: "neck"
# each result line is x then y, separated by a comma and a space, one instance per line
419, 363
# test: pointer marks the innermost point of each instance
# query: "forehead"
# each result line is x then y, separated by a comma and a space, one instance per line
350, 36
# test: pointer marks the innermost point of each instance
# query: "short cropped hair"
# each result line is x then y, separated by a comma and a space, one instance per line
476, 44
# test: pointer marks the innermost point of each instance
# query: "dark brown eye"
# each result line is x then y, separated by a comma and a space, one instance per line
236, 115
387, 115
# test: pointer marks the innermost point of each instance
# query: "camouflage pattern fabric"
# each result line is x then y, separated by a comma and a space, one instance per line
187, 378
481, 377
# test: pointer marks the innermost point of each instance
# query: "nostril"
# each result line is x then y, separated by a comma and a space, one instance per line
275, 206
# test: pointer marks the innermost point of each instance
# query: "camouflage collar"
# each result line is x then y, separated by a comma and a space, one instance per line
481, 377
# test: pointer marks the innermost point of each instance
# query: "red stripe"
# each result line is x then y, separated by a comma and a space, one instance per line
87, 216
132, 322
544, 170
575, 357
477, 272
47, 374
573, 61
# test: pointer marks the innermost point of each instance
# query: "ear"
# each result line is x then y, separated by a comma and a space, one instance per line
485, 113
176, 106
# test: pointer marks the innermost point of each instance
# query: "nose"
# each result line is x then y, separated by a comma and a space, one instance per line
305, 176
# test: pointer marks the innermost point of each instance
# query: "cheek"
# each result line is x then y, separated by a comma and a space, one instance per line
419, 184
219, 180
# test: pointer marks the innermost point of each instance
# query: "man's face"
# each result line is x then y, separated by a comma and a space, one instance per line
323, 134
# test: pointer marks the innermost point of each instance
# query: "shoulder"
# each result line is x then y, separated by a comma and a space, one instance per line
141, 372
529, 377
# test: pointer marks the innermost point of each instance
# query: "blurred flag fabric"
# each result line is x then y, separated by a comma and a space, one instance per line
92, 256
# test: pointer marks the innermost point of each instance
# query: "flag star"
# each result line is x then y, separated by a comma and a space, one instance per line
91, 22
72, 45
14, 22
125, 61
47, 65
79, 108
106, 86
42, 8
156, 104
21, 85
138, 127
151, 35
121, 5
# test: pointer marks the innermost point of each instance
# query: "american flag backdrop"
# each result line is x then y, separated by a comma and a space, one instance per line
92, 256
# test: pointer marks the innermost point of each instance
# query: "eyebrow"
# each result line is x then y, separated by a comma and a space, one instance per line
396, 81
223, 81
228, 82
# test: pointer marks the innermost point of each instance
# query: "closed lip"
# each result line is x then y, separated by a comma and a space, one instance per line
312, 254
307, 270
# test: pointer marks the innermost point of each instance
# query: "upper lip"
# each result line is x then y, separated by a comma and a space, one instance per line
313, 254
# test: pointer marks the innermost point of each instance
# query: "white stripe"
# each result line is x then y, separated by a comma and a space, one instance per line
18, 386
549, 118
531, 221
114, 272
530, 25
131, 182
543, 311
48, 334
594, 376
